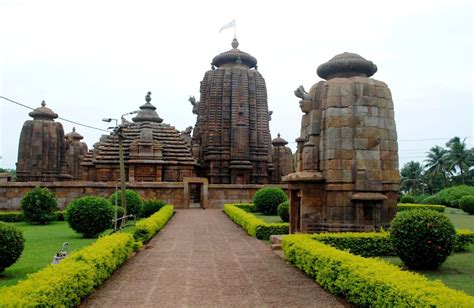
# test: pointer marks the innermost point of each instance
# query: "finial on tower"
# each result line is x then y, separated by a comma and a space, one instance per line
235, 43
43, 104
148, 97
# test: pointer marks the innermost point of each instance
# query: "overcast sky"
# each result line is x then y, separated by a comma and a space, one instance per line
97, 59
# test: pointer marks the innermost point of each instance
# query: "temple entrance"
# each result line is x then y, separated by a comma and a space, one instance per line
295, 212
195, 194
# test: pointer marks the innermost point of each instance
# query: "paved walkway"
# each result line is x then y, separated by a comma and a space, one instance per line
202, 258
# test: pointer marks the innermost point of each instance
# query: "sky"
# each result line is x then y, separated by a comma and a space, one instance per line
91, 60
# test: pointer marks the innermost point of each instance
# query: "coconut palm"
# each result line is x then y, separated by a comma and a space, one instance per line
437, 163
412, 177
460, 158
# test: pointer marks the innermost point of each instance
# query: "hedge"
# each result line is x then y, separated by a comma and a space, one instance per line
17, 216
372, 244
366, 281
64, 284
253, 225
146, 228
412, 206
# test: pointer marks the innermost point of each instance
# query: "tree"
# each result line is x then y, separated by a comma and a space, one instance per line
460, 158
437, 164
412, 178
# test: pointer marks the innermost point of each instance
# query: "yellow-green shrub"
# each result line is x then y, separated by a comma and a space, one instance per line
366, 281
64, 284
412, 206
146, 228
253, 225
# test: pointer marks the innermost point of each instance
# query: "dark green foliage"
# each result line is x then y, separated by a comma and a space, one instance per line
407, 199
18, 216
267, 199
431, 200
467, 204
150, 207
263, 232
38, 206
11, 245
248, 207
134, 201
451, 196
361, 243
90, 215
422, 239
284, 211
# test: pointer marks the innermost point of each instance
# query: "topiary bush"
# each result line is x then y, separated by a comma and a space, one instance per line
422, 239
284, 211
452, 195
150, 207
267, 199
134, 201
431, 200
407, 199
11, 245
90, 215
38, 206
467, 204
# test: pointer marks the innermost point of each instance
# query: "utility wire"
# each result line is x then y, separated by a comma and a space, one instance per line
61, 118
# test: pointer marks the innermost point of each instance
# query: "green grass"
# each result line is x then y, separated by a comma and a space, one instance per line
458, 271
41, 243
268, 218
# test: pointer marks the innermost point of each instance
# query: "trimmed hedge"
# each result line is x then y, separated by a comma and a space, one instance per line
66, 283
452, 195
248, 207
412, 206
368, 282
146, 228
17, 216
467, 204
253, 225
464, 238
407, 199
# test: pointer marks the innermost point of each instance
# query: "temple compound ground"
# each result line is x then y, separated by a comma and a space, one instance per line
202, 258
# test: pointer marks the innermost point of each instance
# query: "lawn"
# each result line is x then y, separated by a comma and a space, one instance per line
268, 218
458, 271
41, 243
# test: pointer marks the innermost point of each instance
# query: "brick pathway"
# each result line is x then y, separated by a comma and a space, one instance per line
202, 258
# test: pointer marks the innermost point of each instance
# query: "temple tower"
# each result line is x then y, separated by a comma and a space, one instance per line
347, 155
282, 159
231, 138
76, 149
42, 148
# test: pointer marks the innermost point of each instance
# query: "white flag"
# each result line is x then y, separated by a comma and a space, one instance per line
227, 26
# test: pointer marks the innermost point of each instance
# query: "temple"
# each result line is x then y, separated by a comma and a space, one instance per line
231, 138
75, 151
347, 154
42, 148
153, 152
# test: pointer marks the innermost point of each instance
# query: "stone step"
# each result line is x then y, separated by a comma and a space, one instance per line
275, 242
275, 246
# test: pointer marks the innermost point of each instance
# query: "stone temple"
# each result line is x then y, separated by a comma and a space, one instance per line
347, 154
153, 151
42, 148
231, 138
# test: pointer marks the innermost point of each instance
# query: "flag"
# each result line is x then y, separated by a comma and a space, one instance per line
227, 26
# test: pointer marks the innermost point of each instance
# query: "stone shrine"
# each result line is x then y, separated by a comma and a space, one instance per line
347, 154
231, 138
42, 148
76, 149
282, 158
153, 152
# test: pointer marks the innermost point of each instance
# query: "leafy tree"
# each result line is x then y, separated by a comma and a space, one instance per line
437, 164
412, 178
460, 158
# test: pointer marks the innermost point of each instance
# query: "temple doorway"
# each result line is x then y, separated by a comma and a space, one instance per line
195, 194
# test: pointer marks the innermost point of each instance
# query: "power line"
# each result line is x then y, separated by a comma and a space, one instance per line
61, 118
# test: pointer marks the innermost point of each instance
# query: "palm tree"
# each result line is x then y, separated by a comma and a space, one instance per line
459, 157
412, 177
437, 163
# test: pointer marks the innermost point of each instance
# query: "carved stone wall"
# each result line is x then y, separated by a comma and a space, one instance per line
347, 155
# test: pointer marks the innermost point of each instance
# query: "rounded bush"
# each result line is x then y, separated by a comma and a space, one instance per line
467, 204
150, 207
38, 206
431, 200
284, 211
423, 239
407, 199
11, 245
452, 195
267, 199
90, 215
134, 201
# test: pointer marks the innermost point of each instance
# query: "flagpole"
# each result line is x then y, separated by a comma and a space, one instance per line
235, 29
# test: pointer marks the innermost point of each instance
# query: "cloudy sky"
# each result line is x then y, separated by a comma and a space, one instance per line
97, 59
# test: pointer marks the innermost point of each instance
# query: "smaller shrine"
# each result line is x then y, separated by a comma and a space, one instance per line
153, 151
282, 157
75, 152
42, 148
